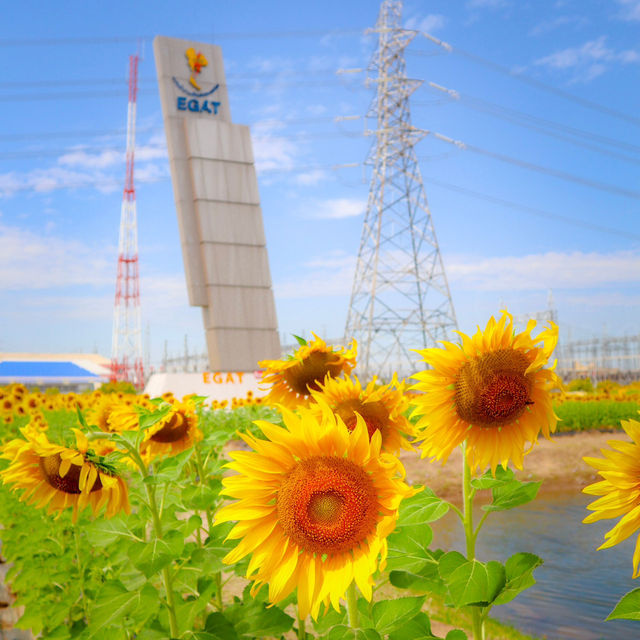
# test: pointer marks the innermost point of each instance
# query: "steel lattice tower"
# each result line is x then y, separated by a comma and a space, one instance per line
126, 343
400, 298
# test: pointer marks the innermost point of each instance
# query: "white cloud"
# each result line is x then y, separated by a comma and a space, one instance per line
332, 274
630, 10
486, 4
555, 270
326, 275
272, 151
429, 23
604, 300
32, 261
336, 208
312, 177
79, 157
79, 168
561, 21
588, 60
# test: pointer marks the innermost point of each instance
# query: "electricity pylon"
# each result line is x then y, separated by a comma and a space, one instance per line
126, 342
400, 298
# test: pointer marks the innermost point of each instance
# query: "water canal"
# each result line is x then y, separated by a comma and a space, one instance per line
577, 587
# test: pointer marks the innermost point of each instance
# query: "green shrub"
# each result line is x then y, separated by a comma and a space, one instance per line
118, 387
580, 384
607, 386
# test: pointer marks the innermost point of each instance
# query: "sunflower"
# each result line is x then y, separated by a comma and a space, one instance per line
315, 506
100, 411
175, 432
381, 406
122, 416
620, 489
62, 477
293, 378
490, 391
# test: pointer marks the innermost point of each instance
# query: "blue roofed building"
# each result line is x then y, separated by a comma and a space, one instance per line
67, 372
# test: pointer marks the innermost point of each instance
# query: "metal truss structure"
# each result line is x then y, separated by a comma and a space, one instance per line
126, 342
604, 358
400, 298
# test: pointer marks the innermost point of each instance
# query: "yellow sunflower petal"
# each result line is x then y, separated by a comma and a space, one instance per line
334, 482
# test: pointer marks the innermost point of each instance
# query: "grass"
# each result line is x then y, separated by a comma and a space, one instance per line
587, 415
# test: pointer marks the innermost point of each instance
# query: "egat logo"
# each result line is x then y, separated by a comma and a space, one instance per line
196, 61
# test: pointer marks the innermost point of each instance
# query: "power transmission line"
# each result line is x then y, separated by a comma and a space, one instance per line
257, 35
556, 173
541, 125
589, 104
532, 210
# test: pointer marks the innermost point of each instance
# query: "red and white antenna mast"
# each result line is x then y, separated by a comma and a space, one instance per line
126, 342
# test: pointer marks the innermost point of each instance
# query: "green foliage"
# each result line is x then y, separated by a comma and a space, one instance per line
157, 572
506, 491
628, 607
607, 386
580, 384
595, 414
118, 387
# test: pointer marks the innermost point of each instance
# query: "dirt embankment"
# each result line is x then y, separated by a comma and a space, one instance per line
557, 462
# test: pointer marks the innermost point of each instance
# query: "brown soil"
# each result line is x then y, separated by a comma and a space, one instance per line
557, 462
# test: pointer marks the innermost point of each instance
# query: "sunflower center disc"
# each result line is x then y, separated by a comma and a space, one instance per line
311, 371
493, 390
50, 466
327, 505
174, 430
324, 508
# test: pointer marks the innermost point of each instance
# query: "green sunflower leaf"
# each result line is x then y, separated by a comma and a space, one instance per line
409, 549
628, 607
330, 619
201, 496
114, 602
512, 494
150, 557
467, 581
421, 509
104, 532
418, 628
81, 420
489, 481
518, 575
170, 469
149, 418
343, 632
390, 615
256, 620
301, 341
219, 628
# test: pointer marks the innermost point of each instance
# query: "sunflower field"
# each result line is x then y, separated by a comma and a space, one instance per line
288, 516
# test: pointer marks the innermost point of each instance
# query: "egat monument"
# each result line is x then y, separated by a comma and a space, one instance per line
218, 206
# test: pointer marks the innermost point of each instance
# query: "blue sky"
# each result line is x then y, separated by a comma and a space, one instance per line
544, 196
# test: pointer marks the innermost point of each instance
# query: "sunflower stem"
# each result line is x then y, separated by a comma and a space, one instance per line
201, 475
468, 493
80, 571
352, 606
218, 577
302, 631
166, 574
157, 527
